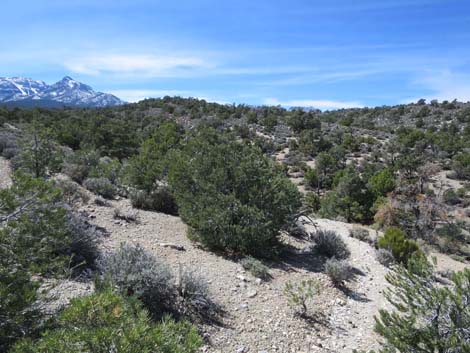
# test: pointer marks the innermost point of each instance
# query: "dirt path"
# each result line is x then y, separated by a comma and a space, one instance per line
258, 317
353, 321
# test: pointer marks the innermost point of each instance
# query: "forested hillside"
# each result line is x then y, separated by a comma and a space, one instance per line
292, 209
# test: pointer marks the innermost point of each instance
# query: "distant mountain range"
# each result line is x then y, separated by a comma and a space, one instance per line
25, 92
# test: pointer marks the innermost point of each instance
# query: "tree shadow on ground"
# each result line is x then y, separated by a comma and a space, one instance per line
353, 294
316, 319
293, 259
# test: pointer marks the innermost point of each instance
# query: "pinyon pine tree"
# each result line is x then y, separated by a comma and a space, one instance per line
428, 316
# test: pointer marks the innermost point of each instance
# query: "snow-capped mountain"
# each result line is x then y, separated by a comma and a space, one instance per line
67, 92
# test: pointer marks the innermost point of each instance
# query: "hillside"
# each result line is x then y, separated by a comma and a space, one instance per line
176, 176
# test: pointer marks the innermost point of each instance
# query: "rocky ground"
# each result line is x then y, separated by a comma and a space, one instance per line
5, 172
257, 315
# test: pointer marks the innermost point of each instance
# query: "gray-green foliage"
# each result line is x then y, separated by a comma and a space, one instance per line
137, 272
194, 292
339, 271
461, 166
330, 244
79, 164
301, 296
107, 168
385, 257
100, 186
428, 316
255, 267
361, 234
160, 199
8, 144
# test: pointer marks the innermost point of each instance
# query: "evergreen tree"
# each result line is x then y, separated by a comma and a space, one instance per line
232, 196
428, 317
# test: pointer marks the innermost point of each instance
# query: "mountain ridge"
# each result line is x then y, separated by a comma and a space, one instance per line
26, 92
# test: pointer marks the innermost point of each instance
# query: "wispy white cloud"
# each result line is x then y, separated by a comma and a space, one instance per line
313, 103
148, 66
443, 85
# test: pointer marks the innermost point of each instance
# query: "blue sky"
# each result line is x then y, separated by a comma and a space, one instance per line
327, 54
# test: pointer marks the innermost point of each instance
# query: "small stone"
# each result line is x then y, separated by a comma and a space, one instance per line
243, 278
252, 294
340, 302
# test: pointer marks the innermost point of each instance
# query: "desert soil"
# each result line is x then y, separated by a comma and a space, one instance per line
257, 316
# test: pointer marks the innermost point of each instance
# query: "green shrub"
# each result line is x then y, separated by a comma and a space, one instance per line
231, 195
100, 186
450, 197
339, 271
150, 165
160, 200
461, 166
18, 292
192, 286
450, 239
39, 154
427, 316
40, 236
46, 236
137, 272
312, 201
350, 198
326, 166
311, 178
301, 120
330, 244
395, 240
106, 322
302, 295
107, 168
78, 165
72, 194
255, 267
382, 182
